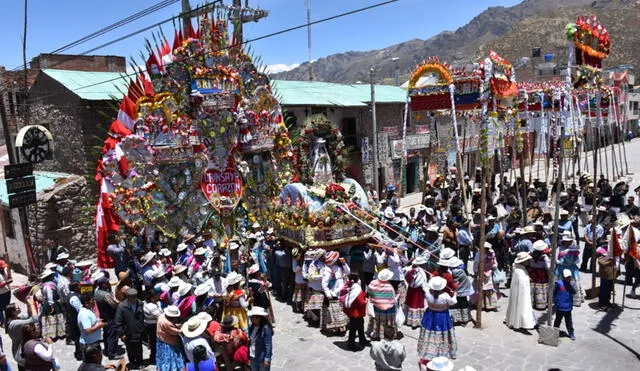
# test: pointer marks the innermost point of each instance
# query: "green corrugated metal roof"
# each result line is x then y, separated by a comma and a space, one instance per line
44, 179
105, 85
90, 85
314, 93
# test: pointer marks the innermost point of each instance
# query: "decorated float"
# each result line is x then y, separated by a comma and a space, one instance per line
198, 146
314, 210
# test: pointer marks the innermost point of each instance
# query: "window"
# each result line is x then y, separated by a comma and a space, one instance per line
349, 133
8, 224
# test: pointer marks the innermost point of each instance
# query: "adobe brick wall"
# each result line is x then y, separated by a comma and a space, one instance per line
96, 63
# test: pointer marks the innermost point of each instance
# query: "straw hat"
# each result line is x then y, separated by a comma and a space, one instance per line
201, 289
522, 257
181, 247
447, 253
420, 260
62, 256
258, 311
564, 212
148, 258
194, 327
437, 283
528, 229
567, 238
171, 311
205, 317
178, 269
385, 275
451, 262
440, 364
233, 278
164, 252
388, 213
184, 288
46, 273
50, 266
174, 282
200, 251
540, 245
84, 264
253, 269
623, 220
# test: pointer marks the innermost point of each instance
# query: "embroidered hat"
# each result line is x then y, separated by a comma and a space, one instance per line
331, 257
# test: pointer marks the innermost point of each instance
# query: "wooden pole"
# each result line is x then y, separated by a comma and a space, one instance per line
594, 221
481, 250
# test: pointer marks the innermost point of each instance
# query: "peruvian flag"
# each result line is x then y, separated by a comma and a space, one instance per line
632, 244
615, 248
123, 164
126, 112
105, 223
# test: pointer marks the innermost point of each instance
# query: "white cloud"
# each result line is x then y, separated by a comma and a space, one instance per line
280, 67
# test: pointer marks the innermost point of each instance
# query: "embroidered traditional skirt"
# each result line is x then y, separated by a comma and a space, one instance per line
314, 300
414, 303
490, 300
460, 313
539, 294
52, 322
299, 293
169, 357
383, 319
333, 318
437, 336
239, 312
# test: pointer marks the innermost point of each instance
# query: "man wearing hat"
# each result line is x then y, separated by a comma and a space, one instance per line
217, 290
608, 274
563, 293
107, 306
193, 335
130, 326
589, 244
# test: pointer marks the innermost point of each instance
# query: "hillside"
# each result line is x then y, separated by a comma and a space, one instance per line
511, 31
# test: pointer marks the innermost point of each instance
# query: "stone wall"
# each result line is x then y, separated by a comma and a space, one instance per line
63, 216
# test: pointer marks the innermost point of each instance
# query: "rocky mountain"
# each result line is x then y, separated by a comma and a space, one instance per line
511, 31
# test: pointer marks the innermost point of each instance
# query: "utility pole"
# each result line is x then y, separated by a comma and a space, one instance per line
374, 121
396, 59
309, 52
241, 15
237, 24
186, 14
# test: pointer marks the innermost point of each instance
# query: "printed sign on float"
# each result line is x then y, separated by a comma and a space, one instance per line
222, 188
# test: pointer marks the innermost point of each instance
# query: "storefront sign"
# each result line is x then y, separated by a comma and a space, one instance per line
393, 131
422, 129
222, 188
414, 142
383, 147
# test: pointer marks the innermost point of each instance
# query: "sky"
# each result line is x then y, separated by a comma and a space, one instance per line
52, 24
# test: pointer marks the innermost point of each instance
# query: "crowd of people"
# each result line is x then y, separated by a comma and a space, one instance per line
207, 303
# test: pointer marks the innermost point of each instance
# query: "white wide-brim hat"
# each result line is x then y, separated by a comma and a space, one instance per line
540, 245
258, 311
451, 262
385, 275
522, 257
195, 326
171, 311
437, 283
184, 288
447, 253
233, 278
440, 364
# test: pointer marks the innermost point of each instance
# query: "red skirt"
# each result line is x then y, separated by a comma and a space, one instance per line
415, 298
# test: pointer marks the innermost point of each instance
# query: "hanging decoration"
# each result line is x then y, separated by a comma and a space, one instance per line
175, 160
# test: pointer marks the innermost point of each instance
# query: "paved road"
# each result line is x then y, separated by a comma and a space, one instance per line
605, 341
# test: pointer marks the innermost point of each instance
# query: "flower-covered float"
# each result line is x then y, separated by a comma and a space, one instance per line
198, 146
321, 207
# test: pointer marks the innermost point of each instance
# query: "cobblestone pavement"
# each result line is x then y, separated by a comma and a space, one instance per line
605, 341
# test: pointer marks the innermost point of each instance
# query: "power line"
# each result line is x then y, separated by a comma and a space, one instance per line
359, 10
107, 29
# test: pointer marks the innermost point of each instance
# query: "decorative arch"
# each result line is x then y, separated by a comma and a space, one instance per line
432, 65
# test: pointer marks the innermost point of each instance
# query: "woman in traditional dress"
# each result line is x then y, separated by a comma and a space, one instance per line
235, 300
568, 257
460, 312
383, 299
519, 312
187, 301
169, 352
300, 290
315, 295
333, 277
51, 317
490, 296
437, 336
258, 290
416, 279
539, 274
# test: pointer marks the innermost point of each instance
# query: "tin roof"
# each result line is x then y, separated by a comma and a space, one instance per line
91, 85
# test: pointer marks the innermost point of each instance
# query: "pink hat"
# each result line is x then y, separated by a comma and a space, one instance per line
601, 251
331, 257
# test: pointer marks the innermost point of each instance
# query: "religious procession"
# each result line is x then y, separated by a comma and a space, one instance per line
221, 231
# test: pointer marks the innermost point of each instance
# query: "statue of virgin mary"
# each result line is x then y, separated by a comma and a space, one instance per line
321, 169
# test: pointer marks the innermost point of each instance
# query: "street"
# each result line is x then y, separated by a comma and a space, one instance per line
605, 341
